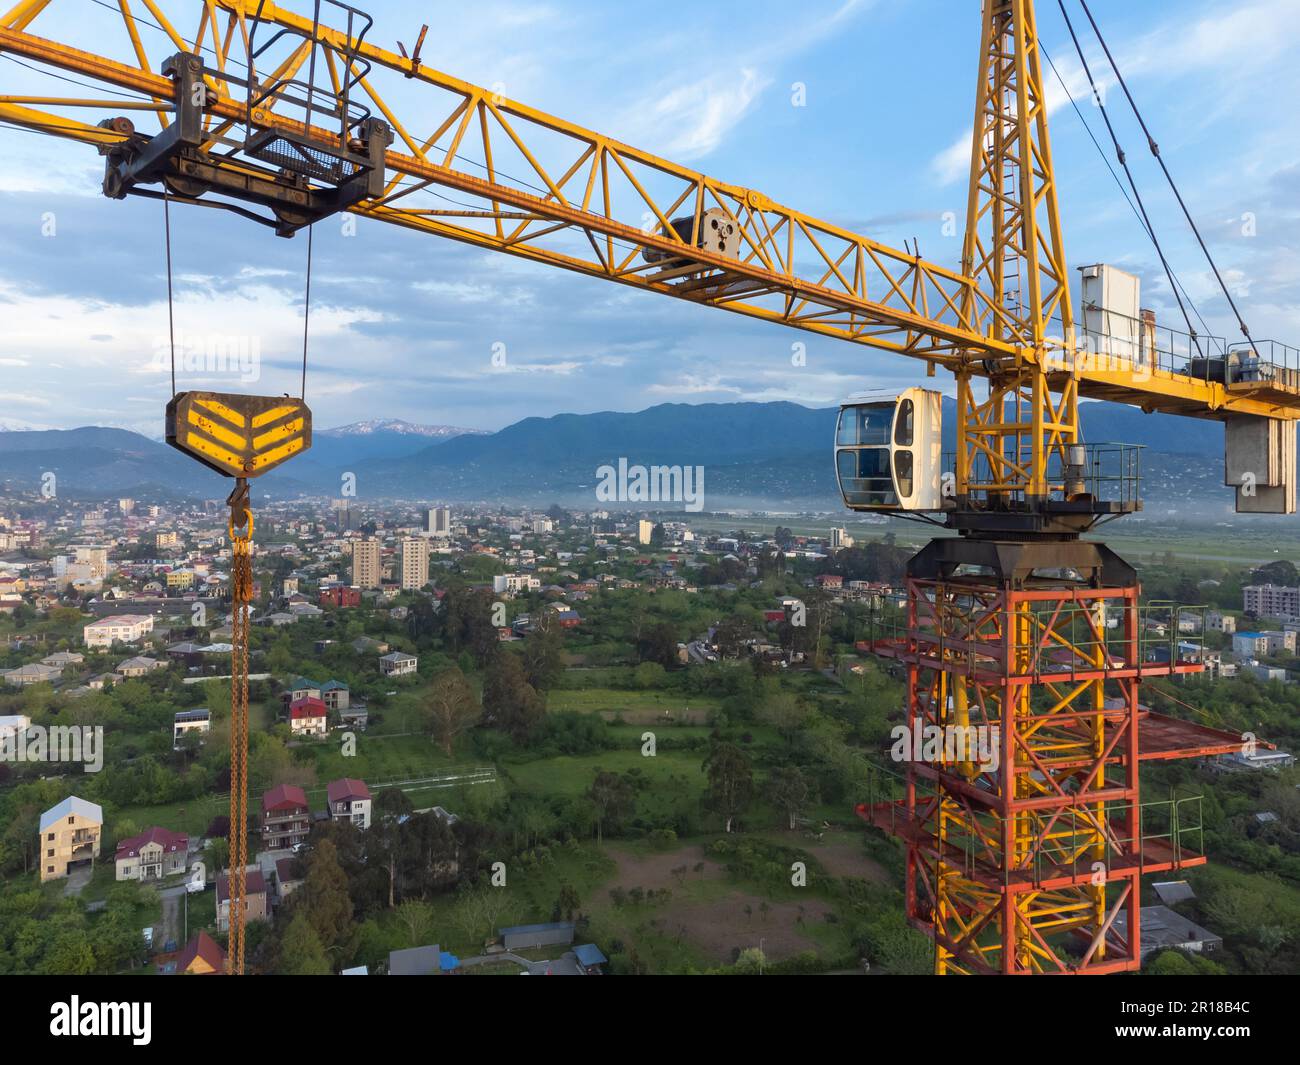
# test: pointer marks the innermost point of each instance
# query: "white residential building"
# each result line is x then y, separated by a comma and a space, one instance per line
511, 584
186, 721
397, 664
120, 628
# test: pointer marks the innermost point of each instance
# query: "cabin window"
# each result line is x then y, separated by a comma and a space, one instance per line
903, 472
903, 427
865, 479
867, 424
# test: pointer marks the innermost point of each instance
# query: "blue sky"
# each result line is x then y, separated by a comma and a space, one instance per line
405, 325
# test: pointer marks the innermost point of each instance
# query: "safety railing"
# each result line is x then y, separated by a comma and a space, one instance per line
1110, 473
1078, 843
1053, 639
1108, 341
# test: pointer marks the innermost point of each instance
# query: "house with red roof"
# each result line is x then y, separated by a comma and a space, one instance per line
285, 817
308, 716
256, 907
154, 854
202, 956
349, 801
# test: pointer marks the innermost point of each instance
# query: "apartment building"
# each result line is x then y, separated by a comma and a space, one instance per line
95, 556
119, 628
1280, 641
438, 522
286, 819
70, 834
1271, 601
349, 801
511, 584
644, 531
180, 580
415, 563
1250, 644
367, 572
154, 854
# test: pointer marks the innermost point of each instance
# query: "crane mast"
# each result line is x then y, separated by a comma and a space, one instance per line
1029, 862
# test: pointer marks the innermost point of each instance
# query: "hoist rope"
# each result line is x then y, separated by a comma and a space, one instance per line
1173, 185
1123, 161
171, 319
1119, 184
306, 316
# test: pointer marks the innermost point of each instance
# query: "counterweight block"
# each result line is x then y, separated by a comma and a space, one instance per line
237, 435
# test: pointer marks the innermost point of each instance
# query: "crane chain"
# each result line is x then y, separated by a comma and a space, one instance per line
241, 518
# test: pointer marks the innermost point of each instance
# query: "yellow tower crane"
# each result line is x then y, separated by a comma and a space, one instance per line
288, 117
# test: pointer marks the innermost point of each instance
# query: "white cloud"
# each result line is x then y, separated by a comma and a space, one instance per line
693, 385
691, 120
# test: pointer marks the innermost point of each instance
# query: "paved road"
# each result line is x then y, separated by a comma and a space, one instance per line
172, 927
77, 880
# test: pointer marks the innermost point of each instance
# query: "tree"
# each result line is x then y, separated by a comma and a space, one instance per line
20, 835
788, 791
510, 704
391, 805
416, 916
301, 951
613, 798
451, 708
566, 905
730, 635
477, 910
544, 653
659, 645
324, 898
1282, 571
785, 712
731, 781
218, 852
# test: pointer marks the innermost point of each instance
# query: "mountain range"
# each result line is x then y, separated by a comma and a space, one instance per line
775, 455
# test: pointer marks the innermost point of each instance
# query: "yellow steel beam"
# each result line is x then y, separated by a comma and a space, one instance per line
792, 268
